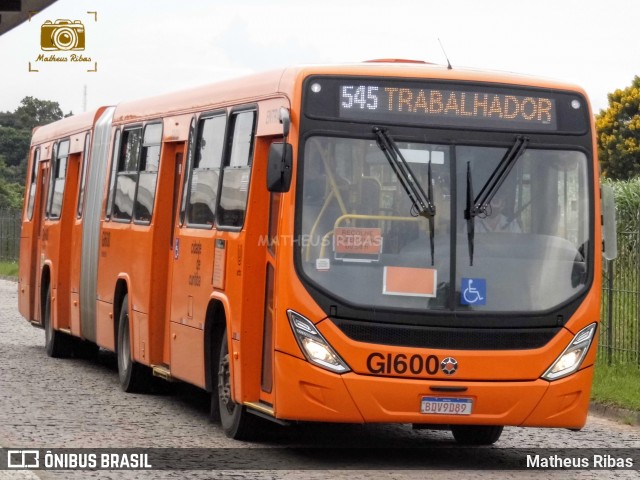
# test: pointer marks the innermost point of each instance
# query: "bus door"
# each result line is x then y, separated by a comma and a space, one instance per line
266, 213
61, 210
160, 166
240, 247
192, 253
40, 233
266, 378
30, 226
249, 277
75, 242
32, 235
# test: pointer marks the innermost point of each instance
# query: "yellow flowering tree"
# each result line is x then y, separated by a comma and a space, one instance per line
619, 133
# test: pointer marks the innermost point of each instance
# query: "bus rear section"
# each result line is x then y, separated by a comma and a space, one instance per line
51, 240
445, 267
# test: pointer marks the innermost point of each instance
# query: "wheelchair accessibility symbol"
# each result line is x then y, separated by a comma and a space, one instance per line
474, 291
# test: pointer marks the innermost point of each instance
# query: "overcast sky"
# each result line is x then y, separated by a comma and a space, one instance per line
147, 47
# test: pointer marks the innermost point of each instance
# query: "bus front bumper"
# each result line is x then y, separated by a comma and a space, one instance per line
309, 393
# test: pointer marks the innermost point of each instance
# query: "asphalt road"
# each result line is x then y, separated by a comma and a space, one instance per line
71, 403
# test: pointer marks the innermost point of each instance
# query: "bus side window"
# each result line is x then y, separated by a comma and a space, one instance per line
83, 174
58, 179
127, 174
33, 184
148, 172
112, 174
205, 174
237, 169
186, 178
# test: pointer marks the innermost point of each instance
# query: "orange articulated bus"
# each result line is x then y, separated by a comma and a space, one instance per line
379, 242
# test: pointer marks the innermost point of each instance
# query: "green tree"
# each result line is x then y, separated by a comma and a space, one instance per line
33, 112
15, 137
619, 133
11, 190
14, 144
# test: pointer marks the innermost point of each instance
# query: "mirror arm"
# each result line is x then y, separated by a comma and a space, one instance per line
285, 120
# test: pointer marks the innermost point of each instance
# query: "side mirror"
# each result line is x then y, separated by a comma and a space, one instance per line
609, 236
279, 167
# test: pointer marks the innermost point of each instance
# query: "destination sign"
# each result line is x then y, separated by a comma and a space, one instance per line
395, 102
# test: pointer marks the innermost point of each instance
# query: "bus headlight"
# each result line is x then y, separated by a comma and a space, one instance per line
570, 360
313, 345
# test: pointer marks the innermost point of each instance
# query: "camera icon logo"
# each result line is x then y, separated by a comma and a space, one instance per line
62, 35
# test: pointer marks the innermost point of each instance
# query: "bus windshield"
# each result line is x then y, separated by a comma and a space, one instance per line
363, 243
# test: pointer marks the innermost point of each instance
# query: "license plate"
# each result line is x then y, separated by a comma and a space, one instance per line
446, 406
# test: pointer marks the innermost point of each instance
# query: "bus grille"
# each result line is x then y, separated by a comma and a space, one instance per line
446, 338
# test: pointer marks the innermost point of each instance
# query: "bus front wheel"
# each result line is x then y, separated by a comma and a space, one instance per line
236, 422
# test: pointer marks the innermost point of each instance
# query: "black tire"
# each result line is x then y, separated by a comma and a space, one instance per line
214, 409
57, 344
476, 434
236, 422
134, 377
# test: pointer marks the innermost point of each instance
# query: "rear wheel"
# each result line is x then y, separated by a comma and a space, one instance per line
134, 377
476, 434
236, 422
57, 344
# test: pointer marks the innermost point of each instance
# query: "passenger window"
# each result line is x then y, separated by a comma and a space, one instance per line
236, 174
58, 176
186, 178
33, 184
205, 174
147, 180
83, 174
112, 176
127, 174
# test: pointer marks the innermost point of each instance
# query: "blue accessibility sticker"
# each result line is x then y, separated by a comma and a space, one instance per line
474, 291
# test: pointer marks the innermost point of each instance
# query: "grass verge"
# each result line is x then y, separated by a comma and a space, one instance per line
8, 269
617, 385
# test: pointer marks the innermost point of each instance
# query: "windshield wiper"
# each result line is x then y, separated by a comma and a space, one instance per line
421, 202
481, 203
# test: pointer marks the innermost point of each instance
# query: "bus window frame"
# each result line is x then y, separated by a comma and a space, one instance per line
117, 139
83, 176
191, 161
33, 183
53, 176
226, 156
186, 175
116, 170
52, 159
158, 121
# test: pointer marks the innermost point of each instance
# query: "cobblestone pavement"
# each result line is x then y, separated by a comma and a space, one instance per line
69, 403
